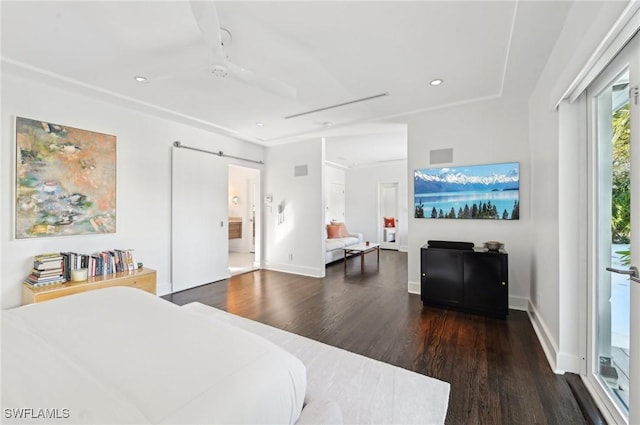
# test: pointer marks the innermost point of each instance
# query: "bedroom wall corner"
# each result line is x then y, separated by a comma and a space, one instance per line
294, 217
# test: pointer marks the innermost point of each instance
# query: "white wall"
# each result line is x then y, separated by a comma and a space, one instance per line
479, 133
332, 175
294, 237
557, 164
143, 174
362, 200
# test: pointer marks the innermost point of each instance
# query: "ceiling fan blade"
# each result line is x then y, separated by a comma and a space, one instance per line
206, 17
260, 81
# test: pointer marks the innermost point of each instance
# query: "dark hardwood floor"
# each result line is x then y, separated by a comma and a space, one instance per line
497, 369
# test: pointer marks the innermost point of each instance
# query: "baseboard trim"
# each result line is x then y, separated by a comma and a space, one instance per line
518, 303
414, 287
568, 362
293, 269
549, 346
559, 361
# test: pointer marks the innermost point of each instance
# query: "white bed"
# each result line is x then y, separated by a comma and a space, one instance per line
121, 355
345, 387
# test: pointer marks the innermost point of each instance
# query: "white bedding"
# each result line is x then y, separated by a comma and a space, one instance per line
344, 387
120, 355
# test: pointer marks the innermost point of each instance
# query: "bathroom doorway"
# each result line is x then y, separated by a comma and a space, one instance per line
244, 219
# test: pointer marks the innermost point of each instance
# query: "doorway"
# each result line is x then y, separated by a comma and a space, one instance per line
388, 209
244, 222
614, 236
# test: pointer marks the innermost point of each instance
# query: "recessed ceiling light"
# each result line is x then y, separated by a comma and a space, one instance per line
327, 124
260, 124
436, 82
140, 78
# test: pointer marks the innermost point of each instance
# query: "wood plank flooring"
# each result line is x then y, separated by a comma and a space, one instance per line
497, 369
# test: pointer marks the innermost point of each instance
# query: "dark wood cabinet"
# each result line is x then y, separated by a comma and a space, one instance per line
471, 280
445, 278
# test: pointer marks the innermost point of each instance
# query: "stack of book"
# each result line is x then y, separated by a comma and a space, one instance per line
99, 263
47, 270
56, 267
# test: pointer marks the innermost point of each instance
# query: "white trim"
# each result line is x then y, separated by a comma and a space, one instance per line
33, 73
620, 33
293, 269
605, 401
568, 362
403, 248
509, 43
380, 215
560, 362
414, 287
385, 163
602, 401
549, 346
518, 303
305, 135
336, 165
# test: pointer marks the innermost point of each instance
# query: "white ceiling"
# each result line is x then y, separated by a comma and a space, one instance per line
330, 51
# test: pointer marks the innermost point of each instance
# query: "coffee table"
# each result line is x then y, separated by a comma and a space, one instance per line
360, 250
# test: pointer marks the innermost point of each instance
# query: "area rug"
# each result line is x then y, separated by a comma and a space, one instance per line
367, 391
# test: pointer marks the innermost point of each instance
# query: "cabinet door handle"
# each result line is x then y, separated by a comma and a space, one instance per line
504, 283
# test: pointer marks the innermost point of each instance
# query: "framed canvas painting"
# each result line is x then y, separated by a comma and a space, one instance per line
65, 180
489, 191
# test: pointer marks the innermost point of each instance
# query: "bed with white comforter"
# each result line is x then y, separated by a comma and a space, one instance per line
120, 355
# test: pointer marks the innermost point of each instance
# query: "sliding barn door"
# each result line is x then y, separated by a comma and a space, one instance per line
199, 208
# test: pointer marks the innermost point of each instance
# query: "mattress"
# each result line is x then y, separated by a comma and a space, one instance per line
121, 355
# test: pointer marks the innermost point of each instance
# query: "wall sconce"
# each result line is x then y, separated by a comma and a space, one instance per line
235, 200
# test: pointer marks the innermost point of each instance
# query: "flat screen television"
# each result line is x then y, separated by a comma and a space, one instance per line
489, 191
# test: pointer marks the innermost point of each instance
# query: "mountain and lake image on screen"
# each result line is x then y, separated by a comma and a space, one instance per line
489, 191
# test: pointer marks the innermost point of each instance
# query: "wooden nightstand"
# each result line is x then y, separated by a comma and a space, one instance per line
144, 279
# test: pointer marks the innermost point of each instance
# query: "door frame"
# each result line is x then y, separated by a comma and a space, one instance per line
252, 194
628, 58
380, 221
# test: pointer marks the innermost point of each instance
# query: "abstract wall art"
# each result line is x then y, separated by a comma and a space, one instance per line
490, 191
65, 180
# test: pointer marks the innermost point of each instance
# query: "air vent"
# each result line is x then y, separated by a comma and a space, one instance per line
364, 99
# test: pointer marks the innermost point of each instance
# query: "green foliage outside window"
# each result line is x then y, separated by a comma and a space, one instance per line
621, 196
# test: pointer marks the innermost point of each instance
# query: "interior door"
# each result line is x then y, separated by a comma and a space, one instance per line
614, 235
199, 215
